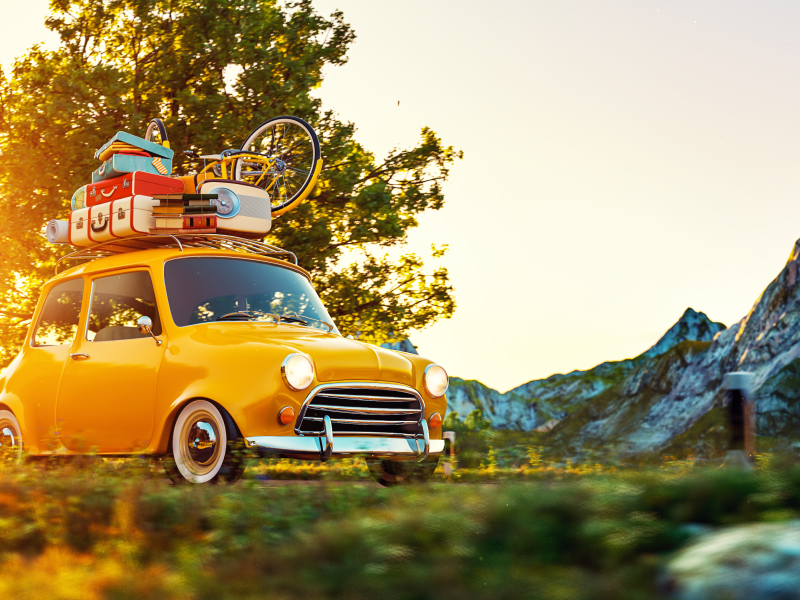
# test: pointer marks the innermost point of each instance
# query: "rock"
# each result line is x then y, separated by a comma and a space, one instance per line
547, 426
748, 562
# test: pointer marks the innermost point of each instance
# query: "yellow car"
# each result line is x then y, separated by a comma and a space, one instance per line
205, 355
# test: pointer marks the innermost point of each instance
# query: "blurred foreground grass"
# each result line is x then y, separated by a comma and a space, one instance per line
117, 529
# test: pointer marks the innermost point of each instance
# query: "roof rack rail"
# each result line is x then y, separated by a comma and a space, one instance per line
147, 242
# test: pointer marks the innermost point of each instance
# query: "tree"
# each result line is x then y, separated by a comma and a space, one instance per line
213, 70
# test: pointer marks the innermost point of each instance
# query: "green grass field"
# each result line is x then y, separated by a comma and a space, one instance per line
117, 529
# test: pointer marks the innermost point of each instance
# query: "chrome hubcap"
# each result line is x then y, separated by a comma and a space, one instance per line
8, 438
200, 446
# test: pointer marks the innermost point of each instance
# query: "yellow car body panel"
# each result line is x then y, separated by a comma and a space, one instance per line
124, 398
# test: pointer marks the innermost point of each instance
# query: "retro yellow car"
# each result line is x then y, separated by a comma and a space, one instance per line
201, 356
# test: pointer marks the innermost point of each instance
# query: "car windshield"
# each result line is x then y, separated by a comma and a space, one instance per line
201, 290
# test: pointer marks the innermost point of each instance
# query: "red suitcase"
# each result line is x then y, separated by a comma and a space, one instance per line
137, 183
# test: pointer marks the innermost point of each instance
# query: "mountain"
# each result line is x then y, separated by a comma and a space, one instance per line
668, 398
532, 404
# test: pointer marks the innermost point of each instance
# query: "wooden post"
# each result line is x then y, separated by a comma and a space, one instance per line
449, 452
741, 417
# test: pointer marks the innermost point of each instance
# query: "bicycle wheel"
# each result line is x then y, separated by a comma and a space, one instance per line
295, 161
156, 126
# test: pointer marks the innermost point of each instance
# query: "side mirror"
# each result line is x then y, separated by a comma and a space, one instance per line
145, 326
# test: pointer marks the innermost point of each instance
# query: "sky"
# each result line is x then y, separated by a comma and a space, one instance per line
622, 161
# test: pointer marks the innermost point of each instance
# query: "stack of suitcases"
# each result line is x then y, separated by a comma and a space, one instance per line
132, 194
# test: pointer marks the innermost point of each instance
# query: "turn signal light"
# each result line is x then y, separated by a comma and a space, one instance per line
435, 421
286, 415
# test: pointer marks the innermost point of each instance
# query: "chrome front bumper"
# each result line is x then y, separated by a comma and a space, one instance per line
316, 447
325, 446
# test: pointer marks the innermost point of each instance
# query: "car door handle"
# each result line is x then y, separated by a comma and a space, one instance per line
79, 356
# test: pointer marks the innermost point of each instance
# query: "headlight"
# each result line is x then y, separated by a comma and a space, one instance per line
436, 380
297, 371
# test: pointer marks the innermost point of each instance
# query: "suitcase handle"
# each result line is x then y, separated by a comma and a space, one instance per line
99, 228
111, 191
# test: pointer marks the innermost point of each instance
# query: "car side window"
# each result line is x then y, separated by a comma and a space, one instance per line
117, 303
58, 321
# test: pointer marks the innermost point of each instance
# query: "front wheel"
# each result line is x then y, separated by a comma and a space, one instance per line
205, 446
401, 472
10, 438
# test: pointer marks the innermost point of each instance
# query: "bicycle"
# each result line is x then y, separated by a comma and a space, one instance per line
281, 156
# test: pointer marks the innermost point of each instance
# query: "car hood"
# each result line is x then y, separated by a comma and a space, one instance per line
335, 358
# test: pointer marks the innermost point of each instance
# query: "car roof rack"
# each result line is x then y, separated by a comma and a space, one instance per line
181, 241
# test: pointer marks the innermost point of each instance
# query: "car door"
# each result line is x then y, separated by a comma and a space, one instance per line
36, 378
106, 400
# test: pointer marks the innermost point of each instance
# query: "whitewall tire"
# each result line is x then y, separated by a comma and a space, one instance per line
10, 437
199, 441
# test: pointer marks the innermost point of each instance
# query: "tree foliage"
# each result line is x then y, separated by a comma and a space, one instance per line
213, 70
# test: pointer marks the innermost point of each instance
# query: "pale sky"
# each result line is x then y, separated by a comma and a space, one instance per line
623, 161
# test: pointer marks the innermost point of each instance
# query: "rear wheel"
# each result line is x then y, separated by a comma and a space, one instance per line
205, 447
401, 472
295, 159
10, 438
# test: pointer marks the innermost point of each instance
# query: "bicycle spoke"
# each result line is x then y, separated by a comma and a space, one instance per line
298, 170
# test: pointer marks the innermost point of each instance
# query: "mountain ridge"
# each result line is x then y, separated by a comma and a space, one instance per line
671, 393
535, 402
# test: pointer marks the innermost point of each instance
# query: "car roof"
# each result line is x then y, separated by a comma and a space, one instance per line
157, 256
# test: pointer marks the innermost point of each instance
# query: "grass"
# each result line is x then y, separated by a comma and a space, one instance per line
116, 529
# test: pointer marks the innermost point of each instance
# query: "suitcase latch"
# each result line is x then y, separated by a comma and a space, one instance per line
125, 183
120, 213
79, 224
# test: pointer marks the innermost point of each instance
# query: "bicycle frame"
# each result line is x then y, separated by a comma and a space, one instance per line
227, 162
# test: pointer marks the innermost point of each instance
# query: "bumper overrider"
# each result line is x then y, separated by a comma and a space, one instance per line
350, 406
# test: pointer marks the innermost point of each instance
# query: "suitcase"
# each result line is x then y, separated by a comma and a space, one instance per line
243, 210
99, 223
132, 184
79, 228
125, 141
132, 216
120, 164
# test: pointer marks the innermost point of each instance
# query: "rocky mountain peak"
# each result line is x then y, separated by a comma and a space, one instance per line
693, 325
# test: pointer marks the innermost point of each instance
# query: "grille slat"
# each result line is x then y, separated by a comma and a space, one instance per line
362, 421
349, 397
387, 412
366, 411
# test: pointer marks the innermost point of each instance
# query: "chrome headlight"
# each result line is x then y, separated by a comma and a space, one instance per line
436, 381
297, 371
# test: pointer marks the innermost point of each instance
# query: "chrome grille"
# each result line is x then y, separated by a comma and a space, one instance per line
362, 410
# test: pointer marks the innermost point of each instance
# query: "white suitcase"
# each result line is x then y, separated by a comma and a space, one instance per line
243, 210
79, 228
132, 216
99, 223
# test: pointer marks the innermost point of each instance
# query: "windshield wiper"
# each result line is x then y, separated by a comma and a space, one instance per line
250, 315
294, 318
